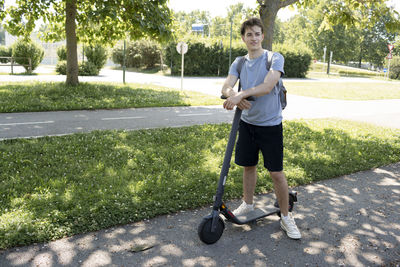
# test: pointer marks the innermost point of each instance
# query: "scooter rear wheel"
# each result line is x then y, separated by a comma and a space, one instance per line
204, 230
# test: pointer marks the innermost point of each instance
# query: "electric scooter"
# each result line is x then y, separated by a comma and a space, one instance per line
212, 226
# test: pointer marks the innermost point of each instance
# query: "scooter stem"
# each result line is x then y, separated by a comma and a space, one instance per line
227, 159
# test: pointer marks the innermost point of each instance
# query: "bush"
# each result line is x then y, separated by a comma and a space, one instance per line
96, 59
139, 54
5, 52
394, 68
202, 59
297, 60
206, 58
62, 53
61, 67
23, 49
88, 68
97, 56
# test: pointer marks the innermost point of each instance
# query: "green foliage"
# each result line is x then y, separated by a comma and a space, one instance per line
297, 60
208, 59
5, 52
143, 53
202, 59
98, 21
62, 53
61, 186
394, 67
61, 67
24, 49
88, 68
96, 59
24, 97
97, 56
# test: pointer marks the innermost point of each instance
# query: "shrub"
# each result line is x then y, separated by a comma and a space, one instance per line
97, 56
62, 53
139, 54
5, 52
88, 68
394, 67
23, 49
61, 67
202, 58
297, 60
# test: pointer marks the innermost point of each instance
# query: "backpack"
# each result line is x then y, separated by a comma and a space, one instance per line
281, 88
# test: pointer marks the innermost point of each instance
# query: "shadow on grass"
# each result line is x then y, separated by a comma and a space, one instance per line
86, 182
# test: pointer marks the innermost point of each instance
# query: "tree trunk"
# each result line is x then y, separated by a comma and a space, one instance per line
72, 53
268, 11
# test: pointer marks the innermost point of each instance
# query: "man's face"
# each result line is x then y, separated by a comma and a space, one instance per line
253, 37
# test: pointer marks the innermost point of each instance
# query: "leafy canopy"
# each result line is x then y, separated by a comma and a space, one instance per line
97, 21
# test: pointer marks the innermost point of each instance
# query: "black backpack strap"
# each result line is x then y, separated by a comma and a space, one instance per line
239, 66
269, 61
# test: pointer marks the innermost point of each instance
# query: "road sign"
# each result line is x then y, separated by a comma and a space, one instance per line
384, 70
182, 48
389, 56
390, 47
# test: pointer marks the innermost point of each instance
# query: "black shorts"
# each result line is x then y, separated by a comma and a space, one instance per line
252, 139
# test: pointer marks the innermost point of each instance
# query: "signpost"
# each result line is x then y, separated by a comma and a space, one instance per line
389, 57
182, 48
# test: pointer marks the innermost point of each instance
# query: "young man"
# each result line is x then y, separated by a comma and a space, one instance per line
261, 123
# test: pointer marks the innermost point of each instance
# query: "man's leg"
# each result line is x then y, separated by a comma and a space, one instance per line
282, 194
281, 191
249, 183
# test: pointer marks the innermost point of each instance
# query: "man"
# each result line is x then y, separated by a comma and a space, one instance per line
260, 127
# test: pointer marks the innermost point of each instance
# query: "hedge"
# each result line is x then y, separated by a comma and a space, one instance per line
211, 60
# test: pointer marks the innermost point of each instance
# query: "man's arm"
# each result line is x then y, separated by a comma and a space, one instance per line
264, 88
227, 90
227, 87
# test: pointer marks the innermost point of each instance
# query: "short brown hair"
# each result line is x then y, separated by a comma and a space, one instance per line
250, 23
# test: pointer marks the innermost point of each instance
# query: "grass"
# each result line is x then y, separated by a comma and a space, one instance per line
319, 69
54, 187
55, 96
351, 90
52, 96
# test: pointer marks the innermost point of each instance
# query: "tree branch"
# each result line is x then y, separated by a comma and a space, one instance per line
287, 3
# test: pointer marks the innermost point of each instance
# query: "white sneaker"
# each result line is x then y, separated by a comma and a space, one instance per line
289, 226
243, 209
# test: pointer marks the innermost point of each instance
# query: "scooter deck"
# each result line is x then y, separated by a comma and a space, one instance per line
258, 213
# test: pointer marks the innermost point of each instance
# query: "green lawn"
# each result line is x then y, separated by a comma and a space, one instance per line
59, 186
345, 90
52, 96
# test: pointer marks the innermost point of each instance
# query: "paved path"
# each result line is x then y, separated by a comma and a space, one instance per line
35, 124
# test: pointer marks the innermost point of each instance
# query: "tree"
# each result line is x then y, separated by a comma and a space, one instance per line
90, 21
346, 12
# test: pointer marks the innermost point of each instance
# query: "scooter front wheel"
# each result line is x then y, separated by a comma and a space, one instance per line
204, 230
